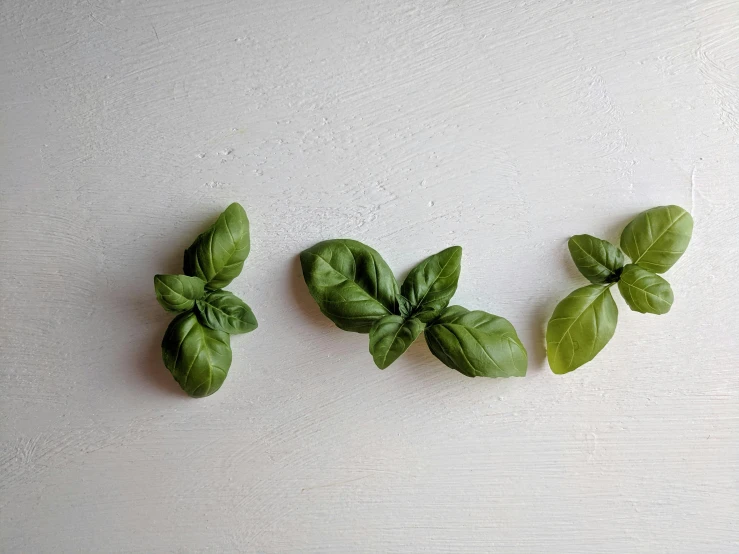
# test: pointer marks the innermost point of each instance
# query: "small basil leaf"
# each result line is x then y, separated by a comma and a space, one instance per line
581, 325
197, 357
656, 238
217, 255
404, 307
598, 260
177, 293
224, 311
477, 344
391, 336
644, 291
431, 284
352, 284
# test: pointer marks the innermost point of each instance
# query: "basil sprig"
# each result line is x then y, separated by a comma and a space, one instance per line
197, 347
584, 322
356, 289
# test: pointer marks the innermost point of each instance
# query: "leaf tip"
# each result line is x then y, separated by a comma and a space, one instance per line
235, 206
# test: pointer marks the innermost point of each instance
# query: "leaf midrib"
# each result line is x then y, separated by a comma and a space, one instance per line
670, 226
441, 271
351, 281
645, 291
589, 255
225, 314
387, 351
567, 331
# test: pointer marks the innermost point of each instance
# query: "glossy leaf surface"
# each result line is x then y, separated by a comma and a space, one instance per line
351, 283
178, 293
224, 311
476, 343
217, 255
431, 284
391, 336
197, 357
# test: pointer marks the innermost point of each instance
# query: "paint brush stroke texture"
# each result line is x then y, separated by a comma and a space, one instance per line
503, 126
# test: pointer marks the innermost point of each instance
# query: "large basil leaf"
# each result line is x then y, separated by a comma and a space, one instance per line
644, 291
581, 325
351, 283
477, 344
177, 293
217, 255
224, 311
197, 357
431, 284
391, 336
656, 239
598, 260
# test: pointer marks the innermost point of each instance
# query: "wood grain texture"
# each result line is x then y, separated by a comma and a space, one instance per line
504, 127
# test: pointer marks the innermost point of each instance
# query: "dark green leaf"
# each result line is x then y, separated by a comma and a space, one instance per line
644, 291
197, 357
404, 307
224, 311
391, 336
581, 325
598, 260
351, 283
177, 293
477, 344
656, 239
431, 284
217, 255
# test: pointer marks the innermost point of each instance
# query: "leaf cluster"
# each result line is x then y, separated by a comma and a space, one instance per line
584, 322
356, 289
197, 345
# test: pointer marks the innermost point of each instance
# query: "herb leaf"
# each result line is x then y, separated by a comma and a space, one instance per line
177, 293
431, 284
352, 284
581, 325
217, 255
644, 291
391, 336
655, 239
404, 307
224, 311
598, 260
477, 344
197, 357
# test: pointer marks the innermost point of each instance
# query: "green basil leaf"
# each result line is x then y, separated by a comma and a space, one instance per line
224, 311
404, 307
581, 325
197, 357
217, 255
598, 260
477, 344
431, 284
644, 291
177, 293
391, 336
351, 283
656, 239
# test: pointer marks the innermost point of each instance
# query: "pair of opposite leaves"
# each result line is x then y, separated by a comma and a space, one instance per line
355, 288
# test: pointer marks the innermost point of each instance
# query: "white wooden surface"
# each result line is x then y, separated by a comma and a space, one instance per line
501, 126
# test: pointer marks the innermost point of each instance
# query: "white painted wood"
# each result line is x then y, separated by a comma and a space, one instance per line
501, 126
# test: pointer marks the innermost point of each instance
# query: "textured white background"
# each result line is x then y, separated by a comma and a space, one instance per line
501, 126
